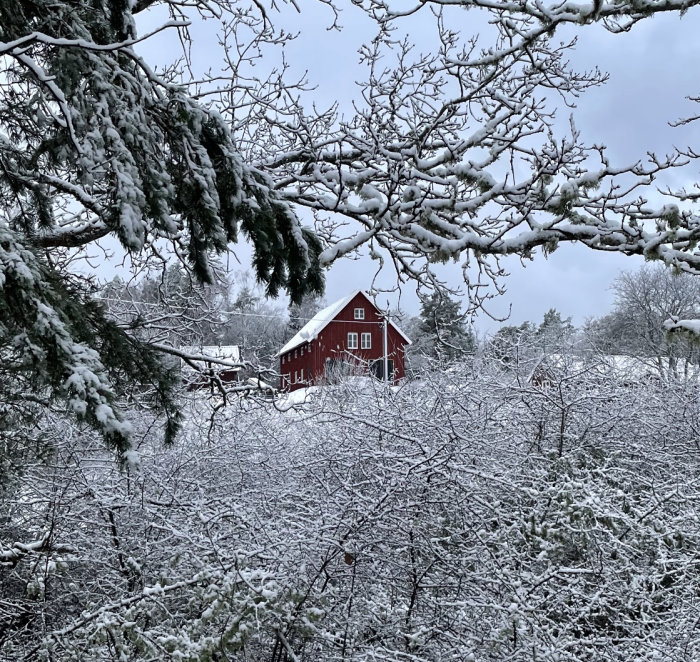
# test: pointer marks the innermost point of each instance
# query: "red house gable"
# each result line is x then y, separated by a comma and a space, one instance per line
343, 338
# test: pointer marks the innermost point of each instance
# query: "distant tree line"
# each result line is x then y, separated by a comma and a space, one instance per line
644, 300
173, 308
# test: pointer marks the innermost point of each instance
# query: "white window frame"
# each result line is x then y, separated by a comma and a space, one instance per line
359, 313
352, 340
366, 341
301, 375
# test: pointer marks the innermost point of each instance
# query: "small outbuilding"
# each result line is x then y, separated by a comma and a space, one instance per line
211, 362
345, 338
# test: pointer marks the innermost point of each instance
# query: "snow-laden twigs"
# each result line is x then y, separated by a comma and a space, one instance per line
456, 154
370, 523
8, 48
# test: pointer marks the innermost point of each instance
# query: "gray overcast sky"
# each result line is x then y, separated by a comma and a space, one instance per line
652, 69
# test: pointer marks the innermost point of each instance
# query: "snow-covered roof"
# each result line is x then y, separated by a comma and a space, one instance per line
259, 383
618, 365
230, 353
311, 330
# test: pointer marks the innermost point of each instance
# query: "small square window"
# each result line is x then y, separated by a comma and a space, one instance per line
359, 313
366, 341
352, 341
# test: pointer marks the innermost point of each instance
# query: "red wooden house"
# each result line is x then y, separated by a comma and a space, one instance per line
346, 337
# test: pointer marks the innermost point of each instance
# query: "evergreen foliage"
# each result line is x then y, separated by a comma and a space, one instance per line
512, 343
94, 143
553, 330
442, 331
510, 340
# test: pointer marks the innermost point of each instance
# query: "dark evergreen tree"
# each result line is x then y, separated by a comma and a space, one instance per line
553, 330
443, 333
513, 344
509, 343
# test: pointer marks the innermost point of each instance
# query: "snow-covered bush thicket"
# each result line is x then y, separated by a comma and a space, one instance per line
456, 519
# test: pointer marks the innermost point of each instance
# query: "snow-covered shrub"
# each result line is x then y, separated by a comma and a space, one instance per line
425, 523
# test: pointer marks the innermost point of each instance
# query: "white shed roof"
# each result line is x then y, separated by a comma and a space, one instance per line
230, 353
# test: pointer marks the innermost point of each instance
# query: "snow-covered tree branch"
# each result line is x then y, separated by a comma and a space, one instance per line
94, 143
454, 152
459, 153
